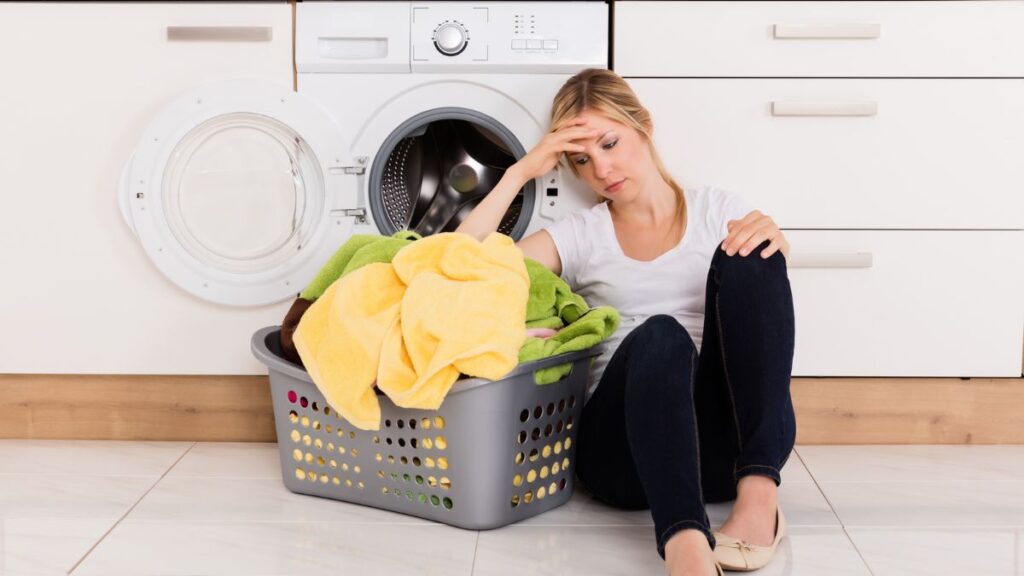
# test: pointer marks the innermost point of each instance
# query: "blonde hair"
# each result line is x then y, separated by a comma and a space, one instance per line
606, 92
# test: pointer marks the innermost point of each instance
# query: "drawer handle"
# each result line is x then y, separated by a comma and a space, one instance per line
866, 108
834, 260
220, 33
863, 31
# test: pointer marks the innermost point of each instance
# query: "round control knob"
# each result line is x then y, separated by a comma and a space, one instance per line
450, 38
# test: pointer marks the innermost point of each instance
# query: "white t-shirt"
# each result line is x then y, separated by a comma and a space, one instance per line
674, 283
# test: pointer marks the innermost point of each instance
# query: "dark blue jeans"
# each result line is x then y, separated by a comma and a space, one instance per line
671, 429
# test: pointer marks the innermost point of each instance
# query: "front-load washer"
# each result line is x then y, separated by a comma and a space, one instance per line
406, 115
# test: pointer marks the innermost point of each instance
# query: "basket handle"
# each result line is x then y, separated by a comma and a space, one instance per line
558, 360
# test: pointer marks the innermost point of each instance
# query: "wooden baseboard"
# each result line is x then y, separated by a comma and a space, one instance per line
238, 409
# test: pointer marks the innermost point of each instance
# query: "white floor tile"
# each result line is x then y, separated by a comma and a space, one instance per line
631, 550
230, 460
801, 502
269, 549
196, 499
94, 457
927, 504
48, 522
914, 463
941, 551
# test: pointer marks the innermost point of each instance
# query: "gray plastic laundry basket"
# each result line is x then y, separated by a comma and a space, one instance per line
494, 453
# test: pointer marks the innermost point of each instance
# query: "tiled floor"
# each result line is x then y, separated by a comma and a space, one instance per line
148, 508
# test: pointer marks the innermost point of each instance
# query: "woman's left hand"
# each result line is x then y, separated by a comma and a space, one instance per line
748, 233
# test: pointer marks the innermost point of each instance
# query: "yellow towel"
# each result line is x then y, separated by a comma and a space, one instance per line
445, 305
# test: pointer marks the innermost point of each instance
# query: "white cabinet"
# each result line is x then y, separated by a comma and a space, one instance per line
80, 83
884, 138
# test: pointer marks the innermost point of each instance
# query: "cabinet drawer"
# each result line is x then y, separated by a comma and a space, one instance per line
873, 39
933, 154
928, 304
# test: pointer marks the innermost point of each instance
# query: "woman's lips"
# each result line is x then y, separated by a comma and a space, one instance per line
615, 187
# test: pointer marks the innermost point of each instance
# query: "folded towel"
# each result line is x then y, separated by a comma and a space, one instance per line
588, 330
445, 305
552, 304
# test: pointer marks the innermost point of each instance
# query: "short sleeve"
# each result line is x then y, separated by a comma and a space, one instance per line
568, 235
730, 206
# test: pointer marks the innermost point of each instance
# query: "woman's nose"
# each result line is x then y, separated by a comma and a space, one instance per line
601, 167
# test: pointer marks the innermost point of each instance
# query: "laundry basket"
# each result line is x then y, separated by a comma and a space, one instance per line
494, 453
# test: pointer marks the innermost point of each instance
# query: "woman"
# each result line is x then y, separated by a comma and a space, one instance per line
690, 404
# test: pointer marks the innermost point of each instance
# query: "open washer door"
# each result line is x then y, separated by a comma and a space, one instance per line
233, 192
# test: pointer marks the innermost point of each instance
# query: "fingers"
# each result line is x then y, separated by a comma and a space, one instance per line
773, 246
744, 238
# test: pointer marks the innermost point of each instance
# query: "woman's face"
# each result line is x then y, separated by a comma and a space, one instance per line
617, 163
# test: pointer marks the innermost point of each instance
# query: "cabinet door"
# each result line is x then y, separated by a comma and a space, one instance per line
851, 153
81, 82
820, 39
907, 303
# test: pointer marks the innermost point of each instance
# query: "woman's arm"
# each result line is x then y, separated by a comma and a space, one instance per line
748, 233
487, 215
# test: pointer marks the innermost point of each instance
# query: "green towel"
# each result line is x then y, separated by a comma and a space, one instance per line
360, 250
588, 330
552, 304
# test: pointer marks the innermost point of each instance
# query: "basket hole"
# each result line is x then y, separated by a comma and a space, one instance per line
328, 428
561, 485
304, 421
387, 423
432, 481
407, 477
558, 427
412, 442
422, 498
293, 416
531, 476
572, 401
517, 480
429, 462
320, 461
416, 461
535, 434
357, 469
425, 423
520, 458
561, 405
524, 415
388, 441
440, 443
533, 455
404, 460
448, 503
401, 423
428, 443
544, 472
446, 484
348, 482
300, 473
333, 463
292, 396
376, 439
515, 500
538, 412
568, 443
552, 488
352, 435
401, 442
307, 439
335, 481
303, 402
391, 459
546, 452
341, 449
439, 422
315, 407
419, 479
309, 458
394, 476
361, 485
408, 494
528, 497
297, 455
548, 430
522, 436
568, 423
435, 500
412, 423
541, 493
565, 464
555, 468
318, 443
551, 408
327, 410
296, 437
344, 466
380, 474
442, 463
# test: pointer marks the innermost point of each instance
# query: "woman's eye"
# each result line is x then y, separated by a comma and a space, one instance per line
611, 145
581, 161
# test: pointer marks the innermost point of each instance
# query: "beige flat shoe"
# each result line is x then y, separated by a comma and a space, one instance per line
737, 555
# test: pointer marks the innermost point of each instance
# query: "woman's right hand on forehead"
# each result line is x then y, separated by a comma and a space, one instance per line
545, 155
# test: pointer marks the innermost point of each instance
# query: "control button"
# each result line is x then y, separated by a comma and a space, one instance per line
551, 44
519, 44
534, 44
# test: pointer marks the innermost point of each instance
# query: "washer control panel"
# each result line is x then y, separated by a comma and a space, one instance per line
508, 36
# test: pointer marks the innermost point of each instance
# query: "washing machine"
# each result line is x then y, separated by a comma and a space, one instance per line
406, 114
